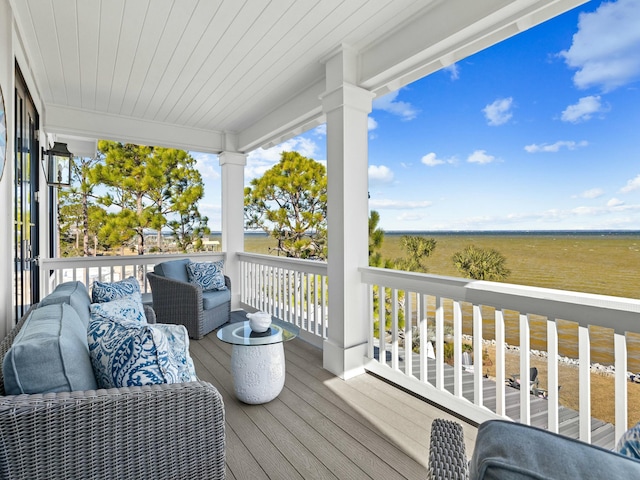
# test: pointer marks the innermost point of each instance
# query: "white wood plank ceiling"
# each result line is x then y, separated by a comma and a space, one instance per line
253, 68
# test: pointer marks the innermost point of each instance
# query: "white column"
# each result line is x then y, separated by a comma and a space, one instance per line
232, 164
346, 107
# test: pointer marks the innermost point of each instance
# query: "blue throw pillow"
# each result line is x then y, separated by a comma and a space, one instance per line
629, 443
178, 339
106, 292
207, 274
126, 354
128, 308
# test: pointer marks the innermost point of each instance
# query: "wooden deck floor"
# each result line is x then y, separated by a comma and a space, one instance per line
321, 427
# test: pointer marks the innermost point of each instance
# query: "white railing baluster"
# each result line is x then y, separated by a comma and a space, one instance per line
477, 355
525, 363
457, 349
553, 386
620, 348
382, 320
501, 407
408, 334
421, 301
372, 333
439, 346
394, 329
584, 355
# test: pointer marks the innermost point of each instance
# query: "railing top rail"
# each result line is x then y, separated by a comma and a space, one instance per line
621, 314
72, 262
317, 267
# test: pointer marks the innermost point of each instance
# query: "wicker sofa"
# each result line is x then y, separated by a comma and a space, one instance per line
176, 300
165, 431
510, 450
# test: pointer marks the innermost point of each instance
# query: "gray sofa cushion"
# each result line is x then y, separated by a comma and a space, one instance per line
71, 293
49, 354
176, 269
509, 450
214, 298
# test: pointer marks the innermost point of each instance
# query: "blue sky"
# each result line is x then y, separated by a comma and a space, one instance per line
539, 132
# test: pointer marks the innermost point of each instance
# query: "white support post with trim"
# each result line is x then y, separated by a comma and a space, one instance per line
232, 164
347, 107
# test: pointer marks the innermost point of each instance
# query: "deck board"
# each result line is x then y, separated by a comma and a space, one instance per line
321, 427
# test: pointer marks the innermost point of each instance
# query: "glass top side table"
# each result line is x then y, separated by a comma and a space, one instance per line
257, 361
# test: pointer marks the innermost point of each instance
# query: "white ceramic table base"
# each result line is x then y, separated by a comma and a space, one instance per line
258, 372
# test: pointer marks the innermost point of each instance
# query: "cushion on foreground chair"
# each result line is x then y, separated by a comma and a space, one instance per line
510, 450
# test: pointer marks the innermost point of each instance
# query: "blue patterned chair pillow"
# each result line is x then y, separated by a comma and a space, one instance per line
178, 338
126, 354
207, 274
127, 308
106, 292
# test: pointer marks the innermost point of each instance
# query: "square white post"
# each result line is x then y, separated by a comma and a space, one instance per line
232, 164
347, 107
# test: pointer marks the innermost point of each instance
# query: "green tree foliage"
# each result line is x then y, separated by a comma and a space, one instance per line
376, 237
289, 202
180, 196
481, 264
418, 250
151, 187
78, 216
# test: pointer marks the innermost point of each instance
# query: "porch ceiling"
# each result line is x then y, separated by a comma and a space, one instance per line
185, 72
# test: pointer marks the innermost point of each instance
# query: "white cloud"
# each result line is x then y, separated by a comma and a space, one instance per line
398, 204
555, 147
261, 159
380, 174
633, 184
499, 112
432, 160
389, 103
371, 123
453, 70
614, 202
605, 49
320, 130
481, 157
583, 110
205, 165
592, 193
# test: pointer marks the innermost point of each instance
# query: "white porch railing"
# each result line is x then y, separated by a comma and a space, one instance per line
292, 290
54, 271
432, 306
449, 297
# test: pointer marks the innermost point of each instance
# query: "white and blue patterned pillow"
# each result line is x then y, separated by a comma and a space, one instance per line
178, 338
126, 354
629, 443
106, 292
129, 308
207, 274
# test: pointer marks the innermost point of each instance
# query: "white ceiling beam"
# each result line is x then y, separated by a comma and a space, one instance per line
88, 124
463, 28
300, 113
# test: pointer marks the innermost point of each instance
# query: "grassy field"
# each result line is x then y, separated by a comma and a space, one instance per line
602, 264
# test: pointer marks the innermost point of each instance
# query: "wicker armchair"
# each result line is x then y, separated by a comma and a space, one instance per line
180, 302
159, 431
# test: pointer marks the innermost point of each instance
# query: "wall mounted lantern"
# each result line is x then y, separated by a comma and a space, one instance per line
58, 160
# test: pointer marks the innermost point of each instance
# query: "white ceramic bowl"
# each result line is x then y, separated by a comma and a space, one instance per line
259, 321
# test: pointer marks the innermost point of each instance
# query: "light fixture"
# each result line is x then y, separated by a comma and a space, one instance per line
58, 160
